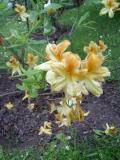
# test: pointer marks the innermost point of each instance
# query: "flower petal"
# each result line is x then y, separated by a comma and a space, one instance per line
51, 77
104, 11
61, 47
94, 87
44, 66
111, 13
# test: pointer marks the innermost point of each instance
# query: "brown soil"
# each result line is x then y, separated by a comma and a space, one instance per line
19, 126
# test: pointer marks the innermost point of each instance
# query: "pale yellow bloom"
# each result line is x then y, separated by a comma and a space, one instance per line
73, 75
94, 72
111, 130
64, 74
46, 128
14, 64
32, 60
21, 10
54, 53
76, 79
95, 48
92, 48
110, 6
9, 105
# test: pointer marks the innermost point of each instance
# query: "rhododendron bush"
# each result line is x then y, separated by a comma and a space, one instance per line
66, 72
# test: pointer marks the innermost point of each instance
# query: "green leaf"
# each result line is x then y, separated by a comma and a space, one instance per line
98, 132
83, 18
20, 87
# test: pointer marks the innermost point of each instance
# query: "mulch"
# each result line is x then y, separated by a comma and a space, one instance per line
20, 126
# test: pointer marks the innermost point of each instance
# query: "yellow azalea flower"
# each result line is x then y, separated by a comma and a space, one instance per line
110, 6
9, 105
74, 80
92, 48
111, 130
32, 60
102, 46
54, 53
21, 10
75, 76
64, 74
14, 65
95, 48
95, 75
47, 128
93, 62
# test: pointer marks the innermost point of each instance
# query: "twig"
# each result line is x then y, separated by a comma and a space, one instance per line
14, 92
9, 93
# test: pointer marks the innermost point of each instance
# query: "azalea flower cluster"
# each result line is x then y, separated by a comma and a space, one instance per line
110, 7
68, 73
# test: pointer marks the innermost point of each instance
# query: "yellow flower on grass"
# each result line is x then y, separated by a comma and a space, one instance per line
110, 7
21, 10
14, 64
111, 130
9, 105
32, 60
46, 128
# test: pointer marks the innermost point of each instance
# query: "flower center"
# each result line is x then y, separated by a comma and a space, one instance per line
110, 3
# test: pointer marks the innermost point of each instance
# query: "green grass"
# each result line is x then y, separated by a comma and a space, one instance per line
95, 148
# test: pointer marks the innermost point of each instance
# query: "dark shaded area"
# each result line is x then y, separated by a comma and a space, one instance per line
20, 126
60, 32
